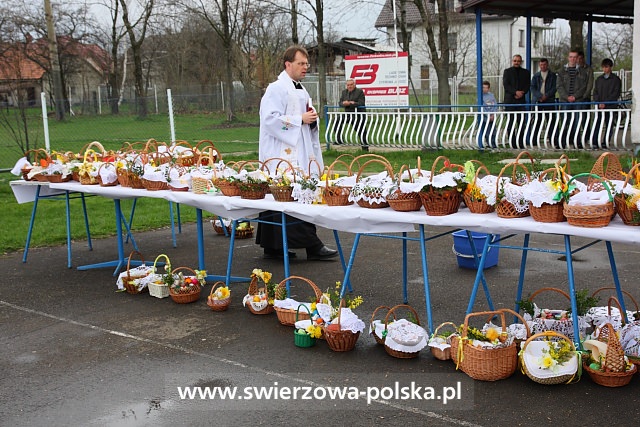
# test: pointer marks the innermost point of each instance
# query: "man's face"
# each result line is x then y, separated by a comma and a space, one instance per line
544, 66
606, 69
351, 85
517, 61
485, 89
573, 59
581, 61
297, 69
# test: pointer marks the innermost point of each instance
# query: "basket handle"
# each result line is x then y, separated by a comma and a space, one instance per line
282, 285
597, 178
631, 174
134, 252
514, 166
611, 288
523, 154
168, 262
547, 334
541, 290
386, 165
178, 269
622, 314
373, 315
500, 312
394, 308
339, 161
216, 285
436, 330
298, 311
566, 162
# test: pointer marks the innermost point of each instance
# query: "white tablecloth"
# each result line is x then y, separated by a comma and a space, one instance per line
352, 218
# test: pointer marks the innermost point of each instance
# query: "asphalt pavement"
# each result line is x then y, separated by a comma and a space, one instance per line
77, 353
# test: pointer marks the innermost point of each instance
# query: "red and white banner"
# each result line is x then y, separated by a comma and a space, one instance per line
384, 77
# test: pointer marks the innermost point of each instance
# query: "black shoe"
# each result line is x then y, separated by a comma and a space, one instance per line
321, 254
365, 148
277, 254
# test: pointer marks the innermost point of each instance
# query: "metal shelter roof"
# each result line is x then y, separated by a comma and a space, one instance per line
580, 10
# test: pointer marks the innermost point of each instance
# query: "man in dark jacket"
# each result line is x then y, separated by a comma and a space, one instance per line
607, 88
516, 81
543, 94
353, 101
572, 83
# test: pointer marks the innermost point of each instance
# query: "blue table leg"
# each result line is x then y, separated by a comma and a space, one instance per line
179, 218
572, 292
200, 237
347, 272
523, 264
86, 221
425, 278
405, 293
133, 211
30, 231
173, 225
285, 248
232, 243
341, 254
616, 280
68, 212
479, 277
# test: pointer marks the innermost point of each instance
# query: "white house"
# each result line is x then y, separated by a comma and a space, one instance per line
502, 37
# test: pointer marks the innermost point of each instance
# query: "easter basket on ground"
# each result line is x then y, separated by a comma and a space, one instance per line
404, 338
553, 360
287, 308
219, 298
440, 341
607, 364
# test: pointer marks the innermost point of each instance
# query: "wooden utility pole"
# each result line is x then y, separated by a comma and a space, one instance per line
58, 96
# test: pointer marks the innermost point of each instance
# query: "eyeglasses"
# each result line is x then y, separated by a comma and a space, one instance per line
303, 64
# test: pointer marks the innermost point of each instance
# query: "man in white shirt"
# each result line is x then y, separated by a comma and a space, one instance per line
289, 130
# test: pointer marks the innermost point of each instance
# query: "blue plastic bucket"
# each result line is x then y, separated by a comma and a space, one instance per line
462, 249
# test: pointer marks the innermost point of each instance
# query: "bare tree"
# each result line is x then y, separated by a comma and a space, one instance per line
438, 46
137, 31
612, 41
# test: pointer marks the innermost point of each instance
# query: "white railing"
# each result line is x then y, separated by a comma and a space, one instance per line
466, 129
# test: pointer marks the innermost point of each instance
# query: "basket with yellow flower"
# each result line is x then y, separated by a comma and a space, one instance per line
159, 283
607, 364
225, 177
259, 299
441, 194
281, 179
306, 337
553, 360
219, 297
404, 338
344, 329
489, 354
286, 307
627, 200
510, 202
479, 195
186, 288
546, 193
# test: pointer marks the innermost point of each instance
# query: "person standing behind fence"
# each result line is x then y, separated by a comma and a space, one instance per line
572, 86
543, 92
353, 101
516, 81
486, 131
607, 88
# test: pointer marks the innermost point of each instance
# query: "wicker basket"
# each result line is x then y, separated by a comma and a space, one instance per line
191, 294
185, 155
375, 324
440, 201
476, 205
613, 372
253, 191
161, 289
218, 304
372, 193
504, 208
57, 178
591, 216
281, 192
302, 338
226, 187
254, 290
401, 201
436, 351
629, 214
529, 369
200, 185
154, 185
335, 195
547, 212
206, 152
337, 339
486, 364
101, 181
128, 281
288, 316
393, 352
